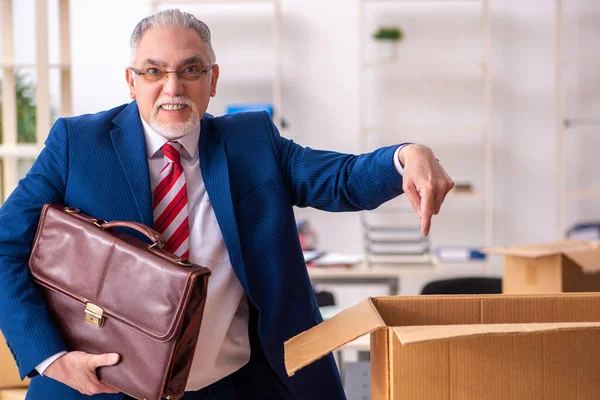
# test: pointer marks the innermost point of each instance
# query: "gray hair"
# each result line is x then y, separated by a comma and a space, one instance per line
174, 18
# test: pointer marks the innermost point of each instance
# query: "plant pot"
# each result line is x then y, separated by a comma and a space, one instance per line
386, 50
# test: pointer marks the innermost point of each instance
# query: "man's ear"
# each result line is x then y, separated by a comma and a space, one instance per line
130, 78
213, 80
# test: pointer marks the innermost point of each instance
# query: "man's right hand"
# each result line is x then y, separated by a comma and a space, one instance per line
78, 370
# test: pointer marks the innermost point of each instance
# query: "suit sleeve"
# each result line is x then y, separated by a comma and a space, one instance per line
24, 320
333, 181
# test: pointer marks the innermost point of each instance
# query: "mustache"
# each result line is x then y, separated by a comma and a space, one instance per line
173, 100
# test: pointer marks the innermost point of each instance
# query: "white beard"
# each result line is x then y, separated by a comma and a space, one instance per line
174, 131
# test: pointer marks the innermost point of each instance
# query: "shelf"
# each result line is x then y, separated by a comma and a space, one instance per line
583, 194
26, 150
452, 193
571, 123
417, 76
422, 1
401, 241
379, 63
421, 261
461, 264
247, 66
374, 228
213, 2
421, 128
469, 78
361, 271
407, 210
32, 65
467, 195
370, 64
392, 209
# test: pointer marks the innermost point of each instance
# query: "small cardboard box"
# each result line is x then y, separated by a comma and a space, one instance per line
492, 347
13, 394
9, 374
565, 266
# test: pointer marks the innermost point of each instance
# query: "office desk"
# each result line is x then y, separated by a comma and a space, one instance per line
358, 274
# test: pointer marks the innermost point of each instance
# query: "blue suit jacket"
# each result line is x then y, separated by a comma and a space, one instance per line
98, 163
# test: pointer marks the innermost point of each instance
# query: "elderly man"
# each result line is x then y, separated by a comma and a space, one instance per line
221, 191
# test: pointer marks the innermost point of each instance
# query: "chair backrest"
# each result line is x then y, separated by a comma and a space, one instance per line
325, 298
471, 285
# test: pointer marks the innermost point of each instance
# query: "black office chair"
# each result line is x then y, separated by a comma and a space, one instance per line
471, 285
325, 298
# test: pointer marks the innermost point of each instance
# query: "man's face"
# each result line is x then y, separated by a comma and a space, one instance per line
172, 105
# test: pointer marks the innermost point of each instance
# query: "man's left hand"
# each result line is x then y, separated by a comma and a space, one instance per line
425, 182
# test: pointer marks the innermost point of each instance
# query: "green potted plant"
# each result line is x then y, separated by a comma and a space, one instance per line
388, 39
26, 112
26, 119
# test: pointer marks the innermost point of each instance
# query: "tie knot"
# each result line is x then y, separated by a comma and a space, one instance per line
171, 151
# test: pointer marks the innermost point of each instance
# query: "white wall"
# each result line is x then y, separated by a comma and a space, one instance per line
321, 100
100, 33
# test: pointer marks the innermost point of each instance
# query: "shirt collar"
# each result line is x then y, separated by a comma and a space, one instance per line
155, 141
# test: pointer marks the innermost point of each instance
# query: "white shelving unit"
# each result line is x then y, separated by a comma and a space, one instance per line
567, 127
11, 151
368, 65
232, 68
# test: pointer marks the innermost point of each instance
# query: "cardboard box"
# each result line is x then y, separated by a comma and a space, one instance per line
468, 347
565, 266
13, 394
9, 374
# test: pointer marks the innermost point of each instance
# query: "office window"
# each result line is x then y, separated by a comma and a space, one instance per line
35, 88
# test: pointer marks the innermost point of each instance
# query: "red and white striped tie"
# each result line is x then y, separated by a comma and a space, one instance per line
171, 203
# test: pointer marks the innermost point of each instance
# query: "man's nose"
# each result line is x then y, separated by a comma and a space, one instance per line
173, 85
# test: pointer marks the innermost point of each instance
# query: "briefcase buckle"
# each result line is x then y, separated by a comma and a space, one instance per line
94, 314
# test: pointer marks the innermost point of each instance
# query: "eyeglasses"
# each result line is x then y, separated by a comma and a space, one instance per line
155, 74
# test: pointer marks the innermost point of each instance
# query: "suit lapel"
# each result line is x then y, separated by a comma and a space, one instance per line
130, 146
213, 164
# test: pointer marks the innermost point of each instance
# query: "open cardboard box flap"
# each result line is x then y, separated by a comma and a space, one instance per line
420, 334
331, 334
364, 318
585, 253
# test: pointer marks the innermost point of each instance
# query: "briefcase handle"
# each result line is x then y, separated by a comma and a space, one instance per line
150, 233
154, 236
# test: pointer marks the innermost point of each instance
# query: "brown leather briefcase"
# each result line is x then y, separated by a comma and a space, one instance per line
108, 291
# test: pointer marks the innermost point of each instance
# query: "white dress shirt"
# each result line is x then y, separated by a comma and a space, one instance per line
223, 344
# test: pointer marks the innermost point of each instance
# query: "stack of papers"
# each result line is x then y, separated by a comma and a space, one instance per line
322, 259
